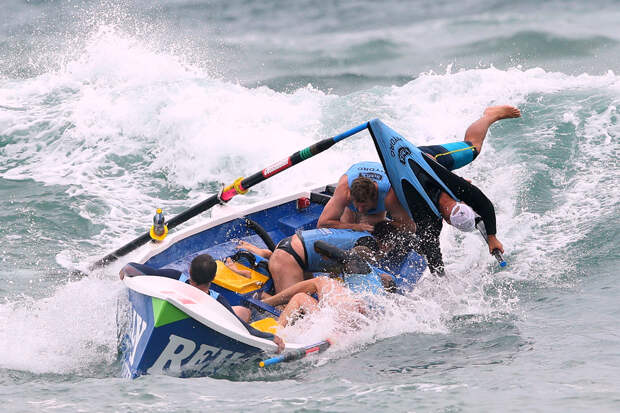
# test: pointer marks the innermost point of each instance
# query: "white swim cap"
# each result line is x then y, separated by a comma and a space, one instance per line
462, 217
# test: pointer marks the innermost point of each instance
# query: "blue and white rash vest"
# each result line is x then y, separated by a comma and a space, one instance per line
365, 283
344, 239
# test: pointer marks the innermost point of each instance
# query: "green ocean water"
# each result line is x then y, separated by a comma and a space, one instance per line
109, 110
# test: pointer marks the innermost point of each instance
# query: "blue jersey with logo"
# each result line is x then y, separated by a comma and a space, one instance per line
344, 239
375, 172
365, 283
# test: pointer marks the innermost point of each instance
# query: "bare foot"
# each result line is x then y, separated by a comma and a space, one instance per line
501, 112
477, 131
247, 246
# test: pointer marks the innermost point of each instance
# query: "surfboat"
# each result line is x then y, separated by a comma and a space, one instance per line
176, 329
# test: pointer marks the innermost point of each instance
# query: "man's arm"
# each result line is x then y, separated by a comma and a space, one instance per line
399, 214
494, 244
261, 252
231, 265
470, 194
335, 208
477, 200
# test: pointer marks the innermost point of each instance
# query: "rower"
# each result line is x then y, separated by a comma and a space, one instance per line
202, 271
351, 207
295, 257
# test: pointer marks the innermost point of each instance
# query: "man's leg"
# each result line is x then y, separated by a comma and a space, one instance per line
455, 155
243, 313
477, 131
307, 287
301, 303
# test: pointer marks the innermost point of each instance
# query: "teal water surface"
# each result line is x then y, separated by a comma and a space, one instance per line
109, 110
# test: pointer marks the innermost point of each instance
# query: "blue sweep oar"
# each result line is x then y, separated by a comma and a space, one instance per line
297, 354
498, 256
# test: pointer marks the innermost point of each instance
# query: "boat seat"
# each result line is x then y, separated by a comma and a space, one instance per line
230, 280
331, 189
323, 197
289, 224
266, 325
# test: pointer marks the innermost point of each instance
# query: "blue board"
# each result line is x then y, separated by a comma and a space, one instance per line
399, 156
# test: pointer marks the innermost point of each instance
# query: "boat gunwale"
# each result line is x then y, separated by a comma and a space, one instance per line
157, 248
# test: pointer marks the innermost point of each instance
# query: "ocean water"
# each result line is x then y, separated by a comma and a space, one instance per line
110, 109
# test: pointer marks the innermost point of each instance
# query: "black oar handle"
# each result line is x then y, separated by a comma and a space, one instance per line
483, 231
240, 186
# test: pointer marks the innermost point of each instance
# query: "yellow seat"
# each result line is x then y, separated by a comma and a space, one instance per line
227, 278
267, 325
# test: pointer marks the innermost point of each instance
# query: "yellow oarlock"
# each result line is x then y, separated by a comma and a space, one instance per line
158, 219
158, 237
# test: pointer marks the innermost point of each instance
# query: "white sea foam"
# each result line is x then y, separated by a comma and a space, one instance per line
123, 119
71, 331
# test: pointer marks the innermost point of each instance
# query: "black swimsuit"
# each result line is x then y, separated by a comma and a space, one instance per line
285, 245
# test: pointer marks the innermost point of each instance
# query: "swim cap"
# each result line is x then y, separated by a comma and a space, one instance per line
462, 217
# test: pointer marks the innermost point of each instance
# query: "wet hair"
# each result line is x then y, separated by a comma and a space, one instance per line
363, 189
202, 269
358, 259
364, 253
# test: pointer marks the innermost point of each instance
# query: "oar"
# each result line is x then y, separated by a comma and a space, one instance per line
297, 354
496, 253
498, 256
240, 186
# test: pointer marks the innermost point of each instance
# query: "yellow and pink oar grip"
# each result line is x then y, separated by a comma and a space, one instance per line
228, 192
